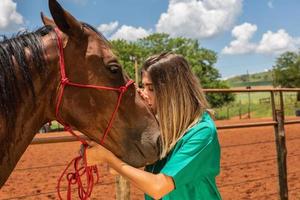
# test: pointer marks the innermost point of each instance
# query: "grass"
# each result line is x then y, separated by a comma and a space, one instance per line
56, 126
259, 106
241, 107
256, 79
245, 84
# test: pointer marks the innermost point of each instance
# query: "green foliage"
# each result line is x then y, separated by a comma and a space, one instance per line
287, 70
258, 109
257, 79
245, 84
217, 100
127, 52
200, 59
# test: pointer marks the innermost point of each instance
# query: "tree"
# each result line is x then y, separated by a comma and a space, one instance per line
127, 52
287, 70
200, 59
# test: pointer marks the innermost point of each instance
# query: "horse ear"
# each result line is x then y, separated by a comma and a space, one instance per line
47, 21
64, 20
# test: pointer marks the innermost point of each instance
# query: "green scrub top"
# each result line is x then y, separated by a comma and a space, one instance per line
193, 163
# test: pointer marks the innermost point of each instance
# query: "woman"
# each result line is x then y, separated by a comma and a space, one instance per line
190, 151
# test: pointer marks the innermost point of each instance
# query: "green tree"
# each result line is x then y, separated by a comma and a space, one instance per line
287, 70
244, 78
201, 60
127, 52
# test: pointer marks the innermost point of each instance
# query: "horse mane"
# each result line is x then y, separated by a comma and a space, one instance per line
15, 71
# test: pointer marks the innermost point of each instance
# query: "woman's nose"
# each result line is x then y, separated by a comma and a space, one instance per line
143, 94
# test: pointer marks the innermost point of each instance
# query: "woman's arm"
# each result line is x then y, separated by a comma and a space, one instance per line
155, 185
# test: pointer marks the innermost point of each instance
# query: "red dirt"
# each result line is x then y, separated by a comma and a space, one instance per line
248, 167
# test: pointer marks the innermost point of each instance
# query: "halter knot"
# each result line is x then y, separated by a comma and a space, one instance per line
84, 190
72, 178
65, 81
122, 89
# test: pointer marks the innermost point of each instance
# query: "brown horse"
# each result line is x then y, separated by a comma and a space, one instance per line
29, 82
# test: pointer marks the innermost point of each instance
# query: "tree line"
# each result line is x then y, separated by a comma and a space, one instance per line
287, 71
201, 60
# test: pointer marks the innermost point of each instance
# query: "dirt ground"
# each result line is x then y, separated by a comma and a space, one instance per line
248, 167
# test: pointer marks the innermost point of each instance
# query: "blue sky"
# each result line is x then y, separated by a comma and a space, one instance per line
247, 35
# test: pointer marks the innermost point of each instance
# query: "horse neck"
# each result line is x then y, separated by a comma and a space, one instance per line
30, 117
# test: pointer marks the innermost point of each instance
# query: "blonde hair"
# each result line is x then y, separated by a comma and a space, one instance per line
179, 97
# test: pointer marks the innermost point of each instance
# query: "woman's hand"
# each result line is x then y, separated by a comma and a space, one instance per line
97, 154
156, 185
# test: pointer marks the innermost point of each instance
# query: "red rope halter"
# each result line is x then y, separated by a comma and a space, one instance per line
89, 171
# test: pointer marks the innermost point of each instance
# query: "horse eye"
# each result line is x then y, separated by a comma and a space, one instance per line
113, 68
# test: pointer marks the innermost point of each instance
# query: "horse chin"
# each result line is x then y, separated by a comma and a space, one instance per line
136, 161
138, 157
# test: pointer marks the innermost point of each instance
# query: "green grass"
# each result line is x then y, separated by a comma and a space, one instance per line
257, 79
253, 83
240, 106
55, 125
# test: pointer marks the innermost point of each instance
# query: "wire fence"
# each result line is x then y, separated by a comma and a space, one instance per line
276, 101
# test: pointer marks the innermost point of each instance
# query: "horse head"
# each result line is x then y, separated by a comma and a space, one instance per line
30, 75
89, 60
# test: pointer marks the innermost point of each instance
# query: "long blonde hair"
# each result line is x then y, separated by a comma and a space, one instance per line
179, 97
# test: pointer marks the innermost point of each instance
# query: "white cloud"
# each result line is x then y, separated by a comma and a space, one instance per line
108, 29
241, 45
187, 18
270, 43
10, 19
199, 19
270, 4
130, 33
266, 70
276, 43
245, 31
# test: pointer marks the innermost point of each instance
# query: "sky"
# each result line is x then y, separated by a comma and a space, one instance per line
247, 35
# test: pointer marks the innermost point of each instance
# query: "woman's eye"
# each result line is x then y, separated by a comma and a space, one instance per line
150, 88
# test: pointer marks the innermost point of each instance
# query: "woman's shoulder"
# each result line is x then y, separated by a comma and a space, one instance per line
204, 128
205, 122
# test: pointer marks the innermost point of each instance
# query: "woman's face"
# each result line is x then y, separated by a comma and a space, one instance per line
148, 92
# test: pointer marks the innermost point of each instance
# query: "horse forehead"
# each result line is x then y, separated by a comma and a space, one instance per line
107, 54
101, 49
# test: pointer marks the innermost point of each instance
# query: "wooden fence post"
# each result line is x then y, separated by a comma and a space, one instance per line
281, 154
136, 71
240, 110
122, 188
228, 117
